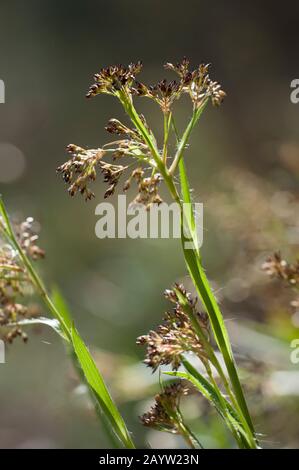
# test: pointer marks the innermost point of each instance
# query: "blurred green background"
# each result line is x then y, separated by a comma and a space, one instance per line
243, 165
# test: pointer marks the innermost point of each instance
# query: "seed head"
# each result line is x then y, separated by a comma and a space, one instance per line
198, 83
80, 169
165, 414
112, 174
27, 237
113, 79
275, 266
15, 284
164, 93
147, 188
176, 335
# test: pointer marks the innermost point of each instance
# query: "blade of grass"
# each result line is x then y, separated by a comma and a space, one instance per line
97, 384
63, 307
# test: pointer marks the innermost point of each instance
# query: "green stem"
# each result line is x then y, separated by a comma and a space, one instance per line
135, 118
186, 433
167, 122
183, 141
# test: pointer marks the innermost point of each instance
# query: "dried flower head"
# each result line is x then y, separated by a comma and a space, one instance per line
164, 93
114, 126
278, 268
198, 83
147, 188
113, 79
177, 334
15, 284
275, 266
80, 169
28, 237
165, 414
139, 142
112, 174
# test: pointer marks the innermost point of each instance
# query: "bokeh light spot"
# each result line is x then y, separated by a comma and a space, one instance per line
12, 162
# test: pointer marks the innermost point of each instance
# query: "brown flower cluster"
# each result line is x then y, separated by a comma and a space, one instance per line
165, 414
281, 269
28, 237
80, 169
112, 174
113, 79
177, 335
164, 93
132, 145
147, 187
198, 83
275, 266
114, 126
14, 282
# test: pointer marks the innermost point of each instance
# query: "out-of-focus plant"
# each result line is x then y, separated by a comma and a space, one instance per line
277, 267
186, 330
17, 277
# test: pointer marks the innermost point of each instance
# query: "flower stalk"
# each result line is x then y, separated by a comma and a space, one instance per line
121, 82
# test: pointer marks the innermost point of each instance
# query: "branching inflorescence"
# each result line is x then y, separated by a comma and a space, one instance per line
121, 82
185, 329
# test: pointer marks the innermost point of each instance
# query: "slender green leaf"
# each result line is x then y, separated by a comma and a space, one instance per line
61, 305
97, 383
51, 322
